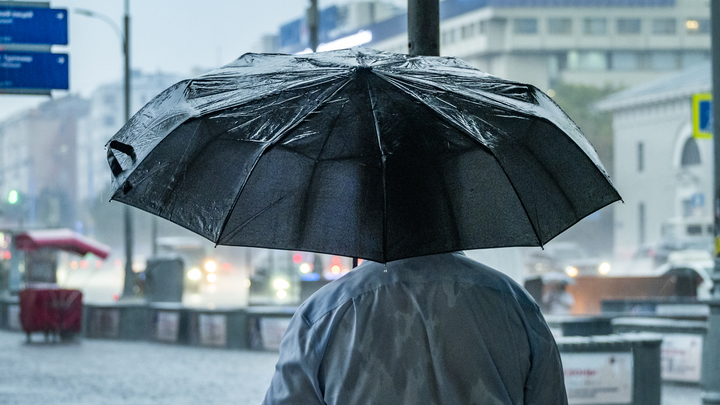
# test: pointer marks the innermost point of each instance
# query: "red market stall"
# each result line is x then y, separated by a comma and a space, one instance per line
63, 239
45, 307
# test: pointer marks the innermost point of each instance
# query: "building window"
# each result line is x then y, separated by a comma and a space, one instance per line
625, 60
692, 58
482, 26
640, 157
628, 26
467, 31
559, 26
663, 60
697, 26
641, 223
587, 60
595, 26
449, 37
690, 153
525, 26
664, 26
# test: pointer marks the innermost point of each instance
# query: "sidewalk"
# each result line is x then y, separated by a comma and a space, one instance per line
110, 372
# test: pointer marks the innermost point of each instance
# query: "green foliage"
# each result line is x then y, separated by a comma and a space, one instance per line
594, 233
578, 101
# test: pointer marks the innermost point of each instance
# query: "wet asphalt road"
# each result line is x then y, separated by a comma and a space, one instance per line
93, 372
110, 372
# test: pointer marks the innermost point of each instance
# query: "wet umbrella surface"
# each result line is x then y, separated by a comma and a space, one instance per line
358, 153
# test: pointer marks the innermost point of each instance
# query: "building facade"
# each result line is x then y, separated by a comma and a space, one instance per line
662, 172
105, 117
599, 43
37, 164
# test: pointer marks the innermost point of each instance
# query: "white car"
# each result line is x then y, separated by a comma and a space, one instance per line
679, 266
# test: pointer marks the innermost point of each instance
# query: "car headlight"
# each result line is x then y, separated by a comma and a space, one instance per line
194, 274
571, 271
281, 284
604, 268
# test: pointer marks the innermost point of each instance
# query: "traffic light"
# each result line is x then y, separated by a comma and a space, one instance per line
13, 197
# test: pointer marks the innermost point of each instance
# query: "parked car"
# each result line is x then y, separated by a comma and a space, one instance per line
691, 274
660, 252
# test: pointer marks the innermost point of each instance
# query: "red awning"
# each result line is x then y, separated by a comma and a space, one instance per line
64, 239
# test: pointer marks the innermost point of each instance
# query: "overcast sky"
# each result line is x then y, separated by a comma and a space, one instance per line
166, 35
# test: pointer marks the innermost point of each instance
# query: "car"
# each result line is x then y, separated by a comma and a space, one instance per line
567, 257
659, 252
692, 275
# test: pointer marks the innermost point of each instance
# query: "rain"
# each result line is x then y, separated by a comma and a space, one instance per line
181, 191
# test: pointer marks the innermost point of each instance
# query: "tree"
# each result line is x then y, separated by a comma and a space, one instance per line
595, 232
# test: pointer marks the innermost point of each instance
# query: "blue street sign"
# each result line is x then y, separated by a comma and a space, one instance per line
33, 70
702, 115
25, 25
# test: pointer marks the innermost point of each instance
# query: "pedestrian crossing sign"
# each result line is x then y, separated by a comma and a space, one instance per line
702, 115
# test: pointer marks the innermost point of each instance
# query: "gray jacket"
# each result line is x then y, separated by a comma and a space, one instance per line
439, 329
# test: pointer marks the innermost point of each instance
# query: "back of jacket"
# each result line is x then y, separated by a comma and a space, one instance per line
439, 329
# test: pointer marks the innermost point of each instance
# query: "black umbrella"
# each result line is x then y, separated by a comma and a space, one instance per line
358, 153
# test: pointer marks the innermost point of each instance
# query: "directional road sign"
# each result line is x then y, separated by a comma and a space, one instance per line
33, 70
26, 25
702, 115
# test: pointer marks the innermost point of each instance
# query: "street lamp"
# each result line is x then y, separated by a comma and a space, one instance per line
124, 36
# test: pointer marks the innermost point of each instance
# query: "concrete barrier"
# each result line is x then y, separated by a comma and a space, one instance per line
571, 325
119, 320
670, 307
682, 346
266, 326
257, 328
169, 322
223, 327
614, 369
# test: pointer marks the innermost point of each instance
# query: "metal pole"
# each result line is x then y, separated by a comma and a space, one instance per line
313, 21
127, 214
711, 348
154, 235
424, 27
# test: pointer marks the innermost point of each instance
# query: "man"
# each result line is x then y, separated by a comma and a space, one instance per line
439, 329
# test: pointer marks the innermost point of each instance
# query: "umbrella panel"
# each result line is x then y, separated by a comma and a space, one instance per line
441, 190
193, 176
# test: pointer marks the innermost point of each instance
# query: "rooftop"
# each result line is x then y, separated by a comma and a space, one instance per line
696, 79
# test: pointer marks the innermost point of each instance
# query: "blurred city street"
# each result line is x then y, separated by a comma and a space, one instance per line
93, 371
90, 372
176, 179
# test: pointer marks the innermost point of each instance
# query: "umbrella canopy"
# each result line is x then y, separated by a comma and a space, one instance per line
358, 153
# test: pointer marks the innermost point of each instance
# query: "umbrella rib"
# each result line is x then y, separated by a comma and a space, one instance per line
459, 127
304, 207
269, 145
384, 171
